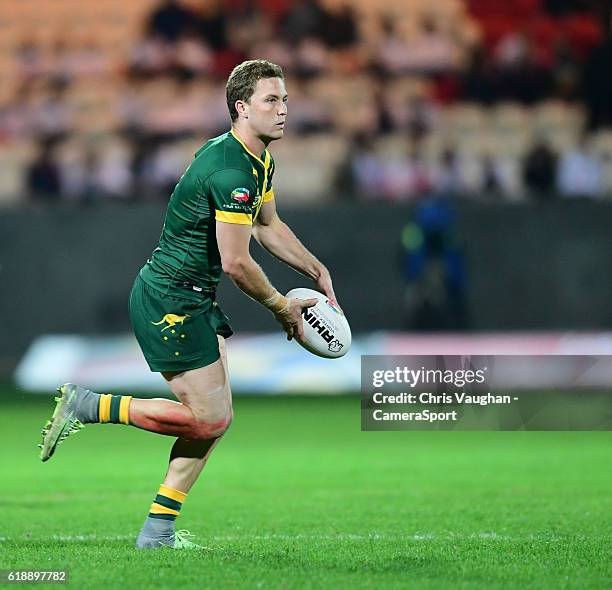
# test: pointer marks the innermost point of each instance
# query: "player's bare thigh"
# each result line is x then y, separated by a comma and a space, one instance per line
205, 391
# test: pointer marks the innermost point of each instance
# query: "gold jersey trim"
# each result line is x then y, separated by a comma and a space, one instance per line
233, 217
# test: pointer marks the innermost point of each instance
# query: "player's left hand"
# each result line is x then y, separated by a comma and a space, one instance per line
324, 283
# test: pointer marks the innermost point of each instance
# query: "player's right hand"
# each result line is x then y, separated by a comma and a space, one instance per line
291, 316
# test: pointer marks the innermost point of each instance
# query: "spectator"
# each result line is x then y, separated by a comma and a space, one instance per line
598, 85
43, 175
407, 176
169, 20
580, 173
540, 170
113, 173
150, 57
565, 71
492, 176
191, 57
430, 51
52, 117
340, 28
420, 119
16, 114
392, 54
367, 172
212, 25
91, 189
433, 51
512, 50
448, 176
305, 19
29, 61
312, 58
520, 74
59, 67
433, 269
479, 80
560, 8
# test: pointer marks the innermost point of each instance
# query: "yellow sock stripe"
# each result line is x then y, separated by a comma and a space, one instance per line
158, 509
172, 493
124, 409
105, 404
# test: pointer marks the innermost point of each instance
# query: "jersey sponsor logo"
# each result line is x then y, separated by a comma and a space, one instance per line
242, 208
240, 194
171, 319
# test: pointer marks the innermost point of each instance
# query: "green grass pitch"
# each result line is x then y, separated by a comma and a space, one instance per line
296, 496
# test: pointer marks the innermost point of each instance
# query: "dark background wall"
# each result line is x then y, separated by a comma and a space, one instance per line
69, 270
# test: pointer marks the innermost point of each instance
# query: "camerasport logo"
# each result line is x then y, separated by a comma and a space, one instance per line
240, 194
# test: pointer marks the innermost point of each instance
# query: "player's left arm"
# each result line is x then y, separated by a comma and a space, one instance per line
278, 239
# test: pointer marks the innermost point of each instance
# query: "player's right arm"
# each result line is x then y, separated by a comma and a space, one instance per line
247, 275
233, 230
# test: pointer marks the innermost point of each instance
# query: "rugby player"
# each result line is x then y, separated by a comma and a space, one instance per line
224, 197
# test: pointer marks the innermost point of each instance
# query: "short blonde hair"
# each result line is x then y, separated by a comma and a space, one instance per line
243, 79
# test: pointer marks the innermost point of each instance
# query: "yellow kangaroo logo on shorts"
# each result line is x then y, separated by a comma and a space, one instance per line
171, 319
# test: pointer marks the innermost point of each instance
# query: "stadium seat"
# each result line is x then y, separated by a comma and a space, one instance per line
305, 166
511, 126
464, 122
13, 161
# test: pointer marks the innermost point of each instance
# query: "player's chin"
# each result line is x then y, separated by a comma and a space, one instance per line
278, 132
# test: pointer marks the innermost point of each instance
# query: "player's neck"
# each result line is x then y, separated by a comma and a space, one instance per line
248, 138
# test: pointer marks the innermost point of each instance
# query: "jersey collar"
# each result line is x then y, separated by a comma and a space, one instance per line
239, 140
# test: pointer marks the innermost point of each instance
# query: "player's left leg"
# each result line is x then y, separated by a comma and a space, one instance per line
207, 392
188, 456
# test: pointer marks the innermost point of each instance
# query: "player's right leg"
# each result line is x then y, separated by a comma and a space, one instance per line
78, 406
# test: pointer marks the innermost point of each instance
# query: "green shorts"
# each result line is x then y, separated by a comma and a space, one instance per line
176, 333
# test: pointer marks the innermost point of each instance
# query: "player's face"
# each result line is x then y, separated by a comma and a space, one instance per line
267, 109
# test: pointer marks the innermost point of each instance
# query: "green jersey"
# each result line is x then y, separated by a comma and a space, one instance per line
225, 182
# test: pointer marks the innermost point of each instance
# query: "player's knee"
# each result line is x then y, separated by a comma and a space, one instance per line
213, 428
211, 410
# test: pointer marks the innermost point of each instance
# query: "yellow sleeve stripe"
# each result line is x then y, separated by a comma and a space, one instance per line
233, 217
104, 408
268, 196
124, 409
159, 509
172, 493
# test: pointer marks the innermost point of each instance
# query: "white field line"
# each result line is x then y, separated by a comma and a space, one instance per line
340, 537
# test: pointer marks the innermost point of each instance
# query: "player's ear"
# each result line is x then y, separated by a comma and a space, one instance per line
242, 108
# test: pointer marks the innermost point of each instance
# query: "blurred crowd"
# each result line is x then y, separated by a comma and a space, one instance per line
388, 100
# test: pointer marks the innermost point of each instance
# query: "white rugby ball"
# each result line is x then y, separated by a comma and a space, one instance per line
326, 330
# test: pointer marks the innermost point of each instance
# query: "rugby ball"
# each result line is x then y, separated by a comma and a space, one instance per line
326, 330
